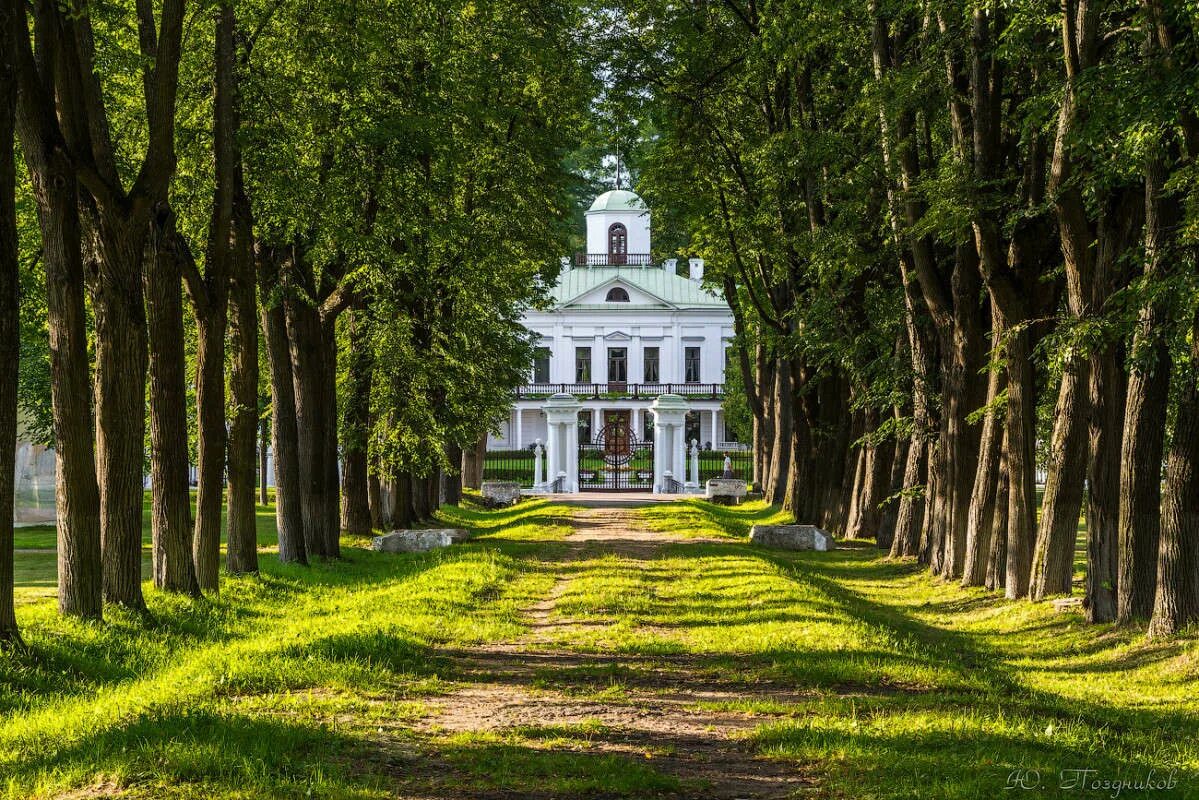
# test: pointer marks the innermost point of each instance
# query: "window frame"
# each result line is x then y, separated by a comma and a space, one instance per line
583, 364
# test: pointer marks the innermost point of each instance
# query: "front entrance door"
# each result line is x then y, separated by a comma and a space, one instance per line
615, 460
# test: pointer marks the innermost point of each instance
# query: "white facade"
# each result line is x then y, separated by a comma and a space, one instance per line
623, 331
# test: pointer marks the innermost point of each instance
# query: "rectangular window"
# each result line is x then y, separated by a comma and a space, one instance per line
541, 365
582, 365
618, 364
691, 367
651, 365
691, 432
585, 432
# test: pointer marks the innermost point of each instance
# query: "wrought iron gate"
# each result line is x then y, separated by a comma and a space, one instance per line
616, 461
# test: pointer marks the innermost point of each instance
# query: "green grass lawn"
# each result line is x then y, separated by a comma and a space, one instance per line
867, 676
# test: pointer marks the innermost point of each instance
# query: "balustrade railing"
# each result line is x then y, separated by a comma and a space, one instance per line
613, 260
712, 391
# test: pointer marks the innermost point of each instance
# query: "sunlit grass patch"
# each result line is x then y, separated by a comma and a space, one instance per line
696, 517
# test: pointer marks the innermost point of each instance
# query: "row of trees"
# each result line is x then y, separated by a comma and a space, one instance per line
959, 239
356, 200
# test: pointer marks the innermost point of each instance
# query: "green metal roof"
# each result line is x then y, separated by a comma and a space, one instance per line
618, 200
673, 290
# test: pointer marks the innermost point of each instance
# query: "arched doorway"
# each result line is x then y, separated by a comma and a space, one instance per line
618, 244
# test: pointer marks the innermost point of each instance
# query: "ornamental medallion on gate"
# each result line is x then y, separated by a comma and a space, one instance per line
616, 461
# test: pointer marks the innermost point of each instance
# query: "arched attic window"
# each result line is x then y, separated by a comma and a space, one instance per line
618, 244
617, 295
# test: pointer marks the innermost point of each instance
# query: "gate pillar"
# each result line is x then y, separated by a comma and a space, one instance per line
562, 443
670, 415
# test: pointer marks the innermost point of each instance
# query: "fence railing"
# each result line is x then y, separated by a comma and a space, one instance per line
710, 391
711, 464
610, 260
509, 465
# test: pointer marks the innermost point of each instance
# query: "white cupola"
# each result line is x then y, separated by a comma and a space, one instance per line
618, 230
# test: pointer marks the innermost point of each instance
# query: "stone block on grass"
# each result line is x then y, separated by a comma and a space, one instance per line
791, 537
418, 541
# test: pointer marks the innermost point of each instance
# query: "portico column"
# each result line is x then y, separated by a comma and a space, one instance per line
670, 413
715, 441
562, 418
520, 445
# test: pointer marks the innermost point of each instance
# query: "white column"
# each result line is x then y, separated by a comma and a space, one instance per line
562, 417
693, 480
670, 413
597, 422
520, 445
715, 429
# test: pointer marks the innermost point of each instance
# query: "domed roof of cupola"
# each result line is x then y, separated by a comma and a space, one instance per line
618, 200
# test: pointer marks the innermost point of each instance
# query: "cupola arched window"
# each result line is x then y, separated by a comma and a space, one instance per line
618, 243
617, 295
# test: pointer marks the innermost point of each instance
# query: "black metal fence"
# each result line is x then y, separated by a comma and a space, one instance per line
711, 464
509, 465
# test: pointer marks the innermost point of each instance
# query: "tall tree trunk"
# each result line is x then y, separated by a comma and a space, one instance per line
375, 493
1020, 433
305, 340
1145, 409
76, 488
355, 429
980, 528
997, 558
1108, 392
242, 555
780, 448
210, 429
264, 436
332, 480
170, 517
10, 340
120, 383
451, 483
1053, 556
284, 436
1176, 602
895, 485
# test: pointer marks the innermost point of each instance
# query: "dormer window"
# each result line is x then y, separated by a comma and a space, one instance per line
618, 244
617, 295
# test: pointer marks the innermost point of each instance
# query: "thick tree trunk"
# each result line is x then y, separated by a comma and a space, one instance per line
242, 555
170, 516
1108, 391
1053, 557
328, 388
284, 437
375, 494
1176, 601
909, 517
980, 528
355, 430
77, 490
1020, 435
307, 360
997, 558
780, 449
1144, 412
210, 429
451, 483
120, 385
10, 340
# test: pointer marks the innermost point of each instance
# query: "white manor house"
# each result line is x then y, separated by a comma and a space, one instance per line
623, 331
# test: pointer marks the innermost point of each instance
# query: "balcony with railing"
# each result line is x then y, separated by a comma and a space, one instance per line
613, 260
621, 390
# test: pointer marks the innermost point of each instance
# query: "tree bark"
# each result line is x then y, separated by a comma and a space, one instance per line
1020, 433
980, 528
1176, 600
780, 448
118, 309
1053, 556
10, 339
211, 317
264, 439
355, 430
997, 558
1145, 409
284, 436
170, 516
451, 482
77, 490
307, 348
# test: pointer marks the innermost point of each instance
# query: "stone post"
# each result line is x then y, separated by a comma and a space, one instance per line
562, 451
538, 479
693, 484
670, 413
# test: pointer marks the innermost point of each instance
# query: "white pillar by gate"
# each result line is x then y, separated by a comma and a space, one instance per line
693, 479
562, 450
538, 475
670, 414
715, 429
520, 445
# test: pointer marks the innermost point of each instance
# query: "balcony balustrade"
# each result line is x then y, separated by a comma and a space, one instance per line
634, 391
613, 260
